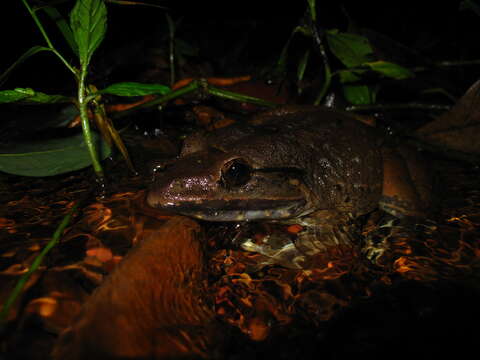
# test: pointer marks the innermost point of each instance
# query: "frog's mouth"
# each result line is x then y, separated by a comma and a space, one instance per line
239, 210
229, 190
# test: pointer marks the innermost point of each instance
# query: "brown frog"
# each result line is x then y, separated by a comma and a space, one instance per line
307, 165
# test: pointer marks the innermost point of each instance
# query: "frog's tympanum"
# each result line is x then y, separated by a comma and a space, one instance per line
312, 166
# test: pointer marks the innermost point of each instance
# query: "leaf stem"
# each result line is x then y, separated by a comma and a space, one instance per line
47, 39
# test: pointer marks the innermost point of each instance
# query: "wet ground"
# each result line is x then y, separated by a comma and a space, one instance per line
419, 298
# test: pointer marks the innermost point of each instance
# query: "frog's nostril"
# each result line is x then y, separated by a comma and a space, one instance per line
235, 173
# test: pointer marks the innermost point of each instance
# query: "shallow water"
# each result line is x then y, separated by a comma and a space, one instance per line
417, 282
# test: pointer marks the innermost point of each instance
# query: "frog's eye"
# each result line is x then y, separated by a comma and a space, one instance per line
235, 173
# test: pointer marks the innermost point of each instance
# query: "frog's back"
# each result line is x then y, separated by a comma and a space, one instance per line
337, 155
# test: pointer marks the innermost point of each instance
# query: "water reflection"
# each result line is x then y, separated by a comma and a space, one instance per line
260, 305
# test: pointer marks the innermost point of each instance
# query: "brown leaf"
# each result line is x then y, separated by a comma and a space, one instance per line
459, 128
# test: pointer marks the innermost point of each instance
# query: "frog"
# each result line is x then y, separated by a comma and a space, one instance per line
313, 166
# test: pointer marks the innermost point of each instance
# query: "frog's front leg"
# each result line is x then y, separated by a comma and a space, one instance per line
320, 232
279, 249
325, 229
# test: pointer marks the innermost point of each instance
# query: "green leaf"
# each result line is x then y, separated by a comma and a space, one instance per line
391, 70
135, 89
281, 65
88, 21
30, 96
303, 29
350, 76
302, 65
51, 157
18, 94
352, 50
63, 26
21, 59
360, 94
470, 5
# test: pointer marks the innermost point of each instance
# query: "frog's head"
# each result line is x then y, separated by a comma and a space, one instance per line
217, 186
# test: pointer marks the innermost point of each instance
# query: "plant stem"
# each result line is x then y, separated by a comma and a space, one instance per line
194, 86
160, 101
47, 39
395, 107
326, 85
225, 94
35, 264
171, 51
318, 37
83, 108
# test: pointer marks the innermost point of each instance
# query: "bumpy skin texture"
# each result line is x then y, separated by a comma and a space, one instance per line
153, 306
301, 160
307, 165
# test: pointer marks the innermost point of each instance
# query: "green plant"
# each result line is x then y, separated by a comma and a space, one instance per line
352, 50
84, 34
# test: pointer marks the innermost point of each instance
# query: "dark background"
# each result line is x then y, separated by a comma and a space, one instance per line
439, 31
